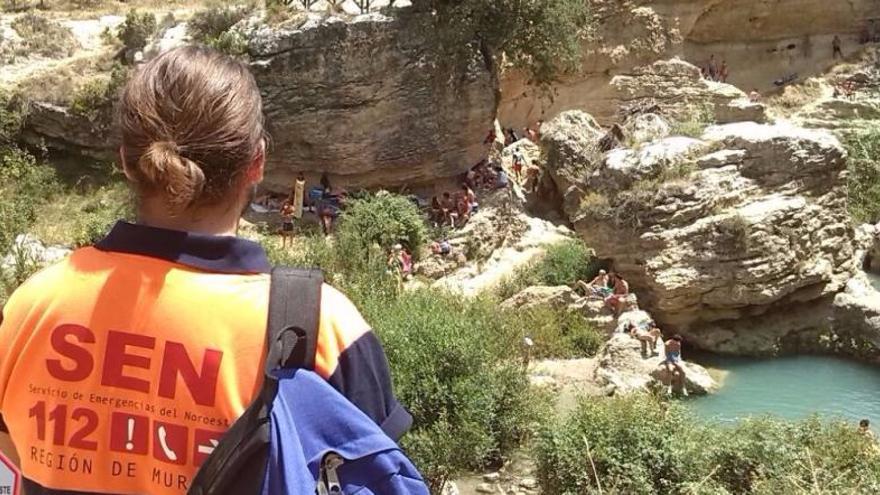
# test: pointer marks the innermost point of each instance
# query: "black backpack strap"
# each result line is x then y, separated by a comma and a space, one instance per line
238, 464
294, 318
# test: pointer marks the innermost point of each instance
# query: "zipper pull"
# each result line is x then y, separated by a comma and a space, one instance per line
329, 479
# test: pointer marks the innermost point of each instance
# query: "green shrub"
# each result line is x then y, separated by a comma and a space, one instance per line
456, 368
640, 445
379, 220
564, 264
24, 264
25, 186
43, 36
136, 30
863, 180
94, 98
211, 24
736, 231
231, 43
557, 333
693, 120
13, 112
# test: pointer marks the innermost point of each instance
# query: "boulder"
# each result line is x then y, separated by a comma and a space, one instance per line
558, 297
646, 127
29, 249
739, 243
856, 319
623, 370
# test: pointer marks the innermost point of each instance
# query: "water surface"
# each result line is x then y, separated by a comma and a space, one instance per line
792, 387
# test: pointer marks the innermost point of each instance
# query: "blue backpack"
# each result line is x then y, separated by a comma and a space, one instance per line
300, 436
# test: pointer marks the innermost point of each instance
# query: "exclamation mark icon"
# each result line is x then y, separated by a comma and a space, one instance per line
129, 445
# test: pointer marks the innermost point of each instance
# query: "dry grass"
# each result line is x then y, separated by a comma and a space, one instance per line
59, 84
91, 9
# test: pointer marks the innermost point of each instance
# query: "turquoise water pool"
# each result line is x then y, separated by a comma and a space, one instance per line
792, 387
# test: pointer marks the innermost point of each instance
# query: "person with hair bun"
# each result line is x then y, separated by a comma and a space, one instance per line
122, 365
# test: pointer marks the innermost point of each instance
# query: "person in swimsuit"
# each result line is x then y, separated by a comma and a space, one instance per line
287, 213
647, 337
673, 363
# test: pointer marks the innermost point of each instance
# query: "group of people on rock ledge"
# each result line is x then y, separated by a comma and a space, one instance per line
614, 291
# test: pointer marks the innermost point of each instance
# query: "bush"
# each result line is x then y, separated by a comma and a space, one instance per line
24, 264
13, 112
456, 369
136, 30
374, 223
863, 180
693, 121
230, 43
43, 36
556, 332
94, 98
564, 264
736, 231
639, 445
25, 186
211, 26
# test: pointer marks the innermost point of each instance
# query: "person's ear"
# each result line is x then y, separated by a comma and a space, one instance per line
255, 170
129, 175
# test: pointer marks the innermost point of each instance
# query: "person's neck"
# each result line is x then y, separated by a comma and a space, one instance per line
210, 221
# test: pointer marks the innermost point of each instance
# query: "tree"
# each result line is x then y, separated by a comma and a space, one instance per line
541, 37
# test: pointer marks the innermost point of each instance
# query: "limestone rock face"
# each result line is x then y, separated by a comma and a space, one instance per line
30, 248
560, 296
60, 128
623, 370
857, 318
368, 102
739, 241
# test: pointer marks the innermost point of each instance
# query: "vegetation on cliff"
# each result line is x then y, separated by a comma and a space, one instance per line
541, 38
864, 174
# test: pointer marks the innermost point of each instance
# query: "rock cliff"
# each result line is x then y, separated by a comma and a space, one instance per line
761, 42
738, 240
366, 99
369, 102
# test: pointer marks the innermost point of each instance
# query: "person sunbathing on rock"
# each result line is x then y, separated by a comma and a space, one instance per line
598, 287
647, 337
619, 293
674, 364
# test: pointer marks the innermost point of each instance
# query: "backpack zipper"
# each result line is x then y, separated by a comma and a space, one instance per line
328, 482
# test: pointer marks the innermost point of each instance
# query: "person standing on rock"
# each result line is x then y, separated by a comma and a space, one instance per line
299, 188
712, 68
518, 162
647, 337
723, 72
673, 364
836, 47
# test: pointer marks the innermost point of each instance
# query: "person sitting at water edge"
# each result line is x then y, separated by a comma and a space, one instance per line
865, 429
673, 364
